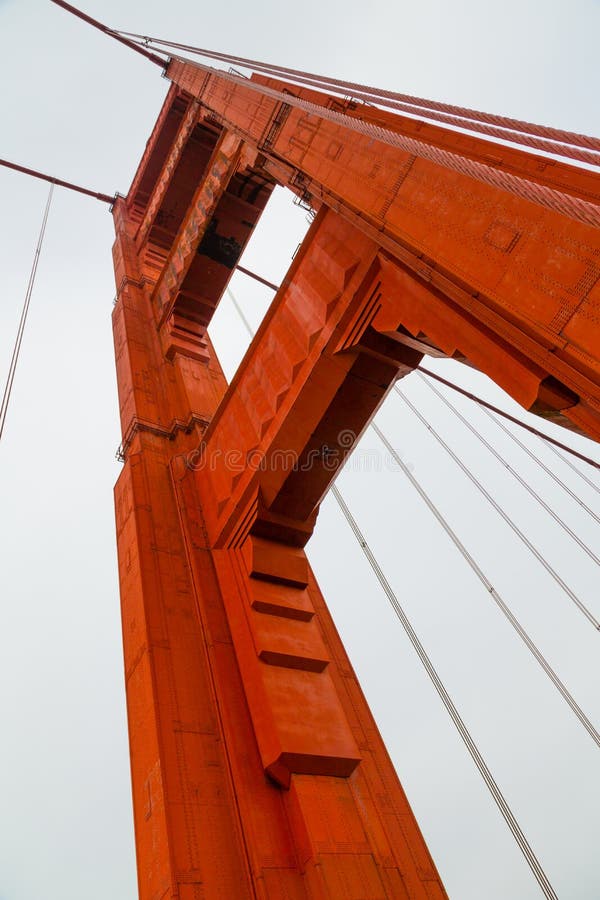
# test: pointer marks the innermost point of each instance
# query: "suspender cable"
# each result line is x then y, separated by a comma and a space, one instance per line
21, 327
512, 525
504, 609
500, 412
574, 468
542, 465
558, 519
240, 313
459, 724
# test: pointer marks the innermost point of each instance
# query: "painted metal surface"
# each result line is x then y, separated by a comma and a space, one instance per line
257, 769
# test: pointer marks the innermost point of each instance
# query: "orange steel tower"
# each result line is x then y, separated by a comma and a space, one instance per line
257, 768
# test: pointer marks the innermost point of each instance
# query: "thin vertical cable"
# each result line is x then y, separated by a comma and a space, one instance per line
500, 412
21, 328
512, 525
542, 465
493, 593
460, 725
558, 519
240, 313
568, 462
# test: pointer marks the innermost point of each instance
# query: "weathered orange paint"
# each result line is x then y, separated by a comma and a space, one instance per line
257, 769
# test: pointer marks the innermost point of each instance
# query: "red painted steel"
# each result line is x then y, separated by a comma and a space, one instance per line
257, 769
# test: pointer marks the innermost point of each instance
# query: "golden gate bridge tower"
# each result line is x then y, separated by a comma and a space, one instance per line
257, 768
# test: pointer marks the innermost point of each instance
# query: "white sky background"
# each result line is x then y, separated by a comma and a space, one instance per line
75, 104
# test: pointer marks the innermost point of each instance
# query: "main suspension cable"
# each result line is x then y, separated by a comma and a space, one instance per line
475, 431
569, 204
458, 721
512, 525
139, 43
109, 31
370, 97
419, 105
105, 198
21, 327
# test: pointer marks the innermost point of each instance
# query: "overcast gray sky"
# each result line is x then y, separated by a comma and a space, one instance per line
77, 105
